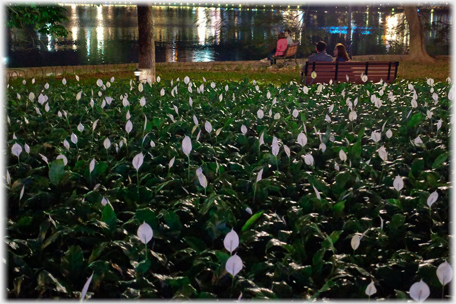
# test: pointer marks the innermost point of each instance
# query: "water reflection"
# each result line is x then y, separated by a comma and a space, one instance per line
109, 33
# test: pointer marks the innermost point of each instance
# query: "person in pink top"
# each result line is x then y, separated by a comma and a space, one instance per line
282, 44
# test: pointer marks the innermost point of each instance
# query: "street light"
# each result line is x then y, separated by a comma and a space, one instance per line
137, 72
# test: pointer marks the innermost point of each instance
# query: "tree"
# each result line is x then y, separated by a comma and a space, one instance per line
146, 43
48, 20
417, 47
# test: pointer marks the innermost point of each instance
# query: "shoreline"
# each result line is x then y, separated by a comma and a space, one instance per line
214, 66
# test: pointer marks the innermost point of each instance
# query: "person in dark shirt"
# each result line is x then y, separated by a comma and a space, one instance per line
321, 54
340, 53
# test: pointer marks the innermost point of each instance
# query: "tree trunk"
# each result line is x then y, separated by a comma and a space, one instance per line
417, 48
146, 43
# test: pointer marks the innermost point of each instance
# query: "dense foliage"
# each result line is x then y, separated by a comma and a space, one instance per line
45, 19
355, 163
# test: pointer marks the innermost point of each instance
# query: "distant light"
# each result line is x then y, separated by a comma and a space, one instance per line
5, 59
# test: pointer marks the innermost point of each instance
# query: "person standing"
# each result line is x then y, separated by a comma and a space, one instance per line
340, 53
321, 54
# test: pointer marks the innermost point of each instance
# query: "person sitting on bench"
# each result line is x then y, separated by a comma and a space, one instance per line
286, 34
321, 54
282, 45
340, 53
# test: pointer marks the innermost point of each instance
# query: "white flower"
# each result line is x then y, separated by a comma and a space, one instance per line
128, 126
398, 183
243, 129
202, 180
418, 141
27, 148
445, 273
64, 81
138, 161
16, 149
145, 233
430, 81
342, 155
234, 265
99, 82
322, 147
80, 127
208, 127
355, 241
171, 162
309, 160
262, 139
66, 144
376, 136
287, 150
419, 291
275, 146
370, 290
63, 157
439, 124
92, 165
302, 139
231, 241
74, 138
259, 176
352, 116
414, 103
382, 153
277, 116
389, 133
186, 145
432, 198
260, 114
295, 113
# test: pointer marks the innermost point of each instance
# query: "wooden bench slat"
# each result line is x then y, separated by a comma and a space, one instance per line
326, 71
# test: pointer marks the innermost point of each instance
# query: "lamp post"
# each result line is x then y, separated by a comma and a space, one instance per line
137, 72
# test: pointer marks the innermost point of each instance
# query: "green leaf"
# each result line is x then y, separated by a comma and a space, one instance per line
251, 221
56, 171
109, 217
415, 120
397, 220
339, 207
195, 243
148, 216
440, 160
72, 262
143, 266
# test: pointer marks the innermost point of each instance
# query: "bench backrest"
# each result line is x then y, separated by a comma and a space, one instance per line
291, 49
338, 71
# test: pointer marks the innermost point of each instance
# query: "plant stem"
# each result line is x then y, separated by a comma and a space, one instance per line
145, 244
188, 156
137, 179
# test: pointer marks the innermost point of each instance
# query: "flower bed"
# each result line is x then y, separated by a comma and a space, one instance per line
337, 191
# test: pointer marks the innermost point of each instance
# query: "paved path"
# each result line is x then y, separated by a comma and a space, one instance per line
180, 66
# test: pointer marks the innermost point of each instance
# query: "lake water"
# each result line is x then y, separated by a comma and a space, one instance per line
109, 33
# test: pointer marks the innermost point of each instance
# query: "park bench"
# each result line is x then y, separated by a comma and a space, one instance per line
289, 53
349, 71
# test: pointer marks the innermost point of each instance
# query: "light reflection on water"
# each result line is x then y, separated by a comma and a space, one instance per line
109, 34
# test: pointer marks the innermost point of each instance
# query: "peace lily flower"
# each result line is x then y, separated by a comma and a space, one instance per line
74, 138
64, 81
202, 180
195, 120
243, 129
92, 165
352, 116
355, 241
262, 139
128, 126
145, 233
260, 114
419, 291
382, 153
376, 136
198, 136
432, 198
429, 114
171, 162
445, 273
86, 285
234, 265
418, 141
127, 116
398, 183
80, 127
295, 113
138, 161
287, 150
316, 192
342, 155
99, 82
327, 118
78, 96
231, 241
389, 133
66, 144
302, 139
439, 124
63, 157
142, 101
277, 116
208, 127
186, 145
414, 103
275, 146
308, 158
16, 149
370, 290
